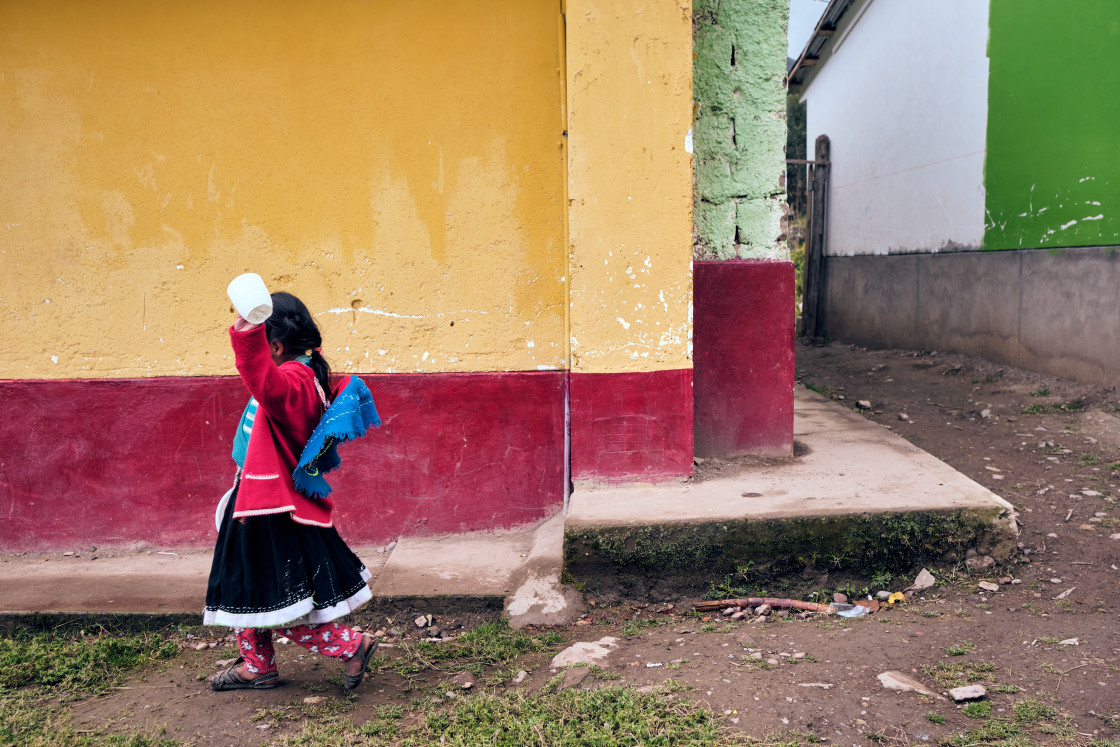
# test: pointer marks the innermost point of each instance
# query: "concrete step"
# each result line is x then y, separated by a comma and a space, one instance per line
855, 498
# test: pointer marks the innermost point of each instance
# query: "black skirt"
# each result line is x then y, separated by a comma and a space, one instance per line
272, 571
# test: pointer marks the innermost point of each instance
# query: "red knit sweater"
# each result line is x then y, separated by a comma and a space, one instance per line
289, 409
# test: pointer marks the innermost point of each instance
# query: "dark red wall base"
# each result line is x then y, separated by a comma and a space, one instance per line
631, 426
125, 461
743, 358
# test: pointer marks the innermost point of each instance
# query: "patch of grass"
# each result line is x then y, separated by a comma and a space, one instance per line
1043, 392
1010, 689
978, 709
76, 664
39, 672
635, 626
822, 389
1087, 460
1034, 609
960, 649
489, 645
994, 732
935, 718
604, 716
1064, 605
1030, 710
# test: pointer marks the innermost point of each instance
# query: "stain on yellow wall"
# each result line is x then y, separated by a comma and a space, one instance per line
399, 166
629, 73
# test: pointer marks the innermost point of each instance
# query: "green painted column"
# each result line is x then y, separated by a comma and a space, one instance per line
739, 128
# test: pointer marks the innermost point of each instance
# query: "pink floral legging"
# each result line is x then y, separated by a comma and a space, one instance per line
330, 639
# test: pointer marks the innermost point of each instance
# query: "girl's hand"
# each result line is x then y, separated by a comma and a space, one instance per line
241, 325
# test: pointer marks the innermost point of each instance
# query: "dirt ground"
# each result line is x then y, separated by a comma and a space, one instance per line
1050, 447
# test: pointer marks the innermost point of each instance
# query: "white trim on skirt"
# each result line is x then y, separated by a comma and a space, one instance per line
302, 612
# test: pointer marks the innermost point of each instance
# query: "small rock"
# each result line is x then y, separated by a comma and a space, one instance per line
283, 641
738, 615
986, 414
574, 677
464, 680
1016, 581
970, 692
980, 562
1055, 580
988, 586
1005, 580
904, 417
756, 655
903, 683
1052, 535
1069, 642
799, 655
519, 677
924, 580
67, 554
730, 611
781, 614
863, 404
201, 646
1114, 536
883, 596
223, 663
314, 700
585, 652
1086, 527
421, 621
212, 644
1091, 493
840, 598
773, 662
762, 610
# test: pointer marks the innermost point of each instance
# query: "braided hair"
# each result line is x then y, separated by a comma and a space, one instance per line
292, 325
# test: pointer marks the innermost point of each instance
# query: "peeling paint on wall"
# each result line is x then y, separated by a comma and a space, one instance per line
740, 129
399, 162
629, 95
1053, 162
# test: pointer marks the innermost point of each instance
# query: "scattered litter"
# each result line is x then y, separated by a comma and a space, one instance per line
856, 610
166, 553
1065, 593
897, 598
821, 685
652, 664
1069, 642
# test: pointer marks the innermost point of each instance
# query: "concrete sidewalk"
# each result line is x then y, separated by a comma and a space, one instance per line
848, 468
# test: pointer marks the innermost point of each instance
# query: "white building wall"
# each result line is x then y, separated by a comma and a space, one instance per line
902, 93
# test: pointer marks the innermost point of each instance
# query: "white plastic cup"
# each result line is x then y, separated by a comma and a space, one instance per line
250, 297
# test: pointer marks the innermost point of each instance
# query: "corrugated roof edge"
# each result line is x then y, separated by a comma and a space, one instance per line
826, 27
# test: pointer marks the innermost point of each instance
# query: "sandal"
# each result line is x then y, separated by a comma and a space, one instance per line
350, 681
231, 680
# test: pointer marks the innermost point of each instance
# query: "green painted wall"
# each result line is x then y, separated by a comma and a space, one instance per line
739, 128
1052, 175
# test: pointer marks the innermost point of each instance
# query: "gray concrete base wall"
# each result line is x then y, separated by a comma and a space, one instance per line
1056, 311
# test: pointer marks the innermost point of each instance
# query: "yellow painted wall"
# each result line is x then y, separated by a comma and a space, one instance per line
629, 72
399, 165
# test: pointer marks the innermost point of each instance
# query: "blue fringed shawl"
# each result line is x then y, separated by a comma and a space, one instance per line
350, 415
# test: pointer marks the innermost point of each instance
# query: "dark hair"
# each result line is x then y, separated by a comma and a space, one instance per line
292, 325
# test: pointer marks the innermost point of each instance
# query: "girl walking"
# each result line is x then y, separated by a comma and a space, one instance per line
279, 563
